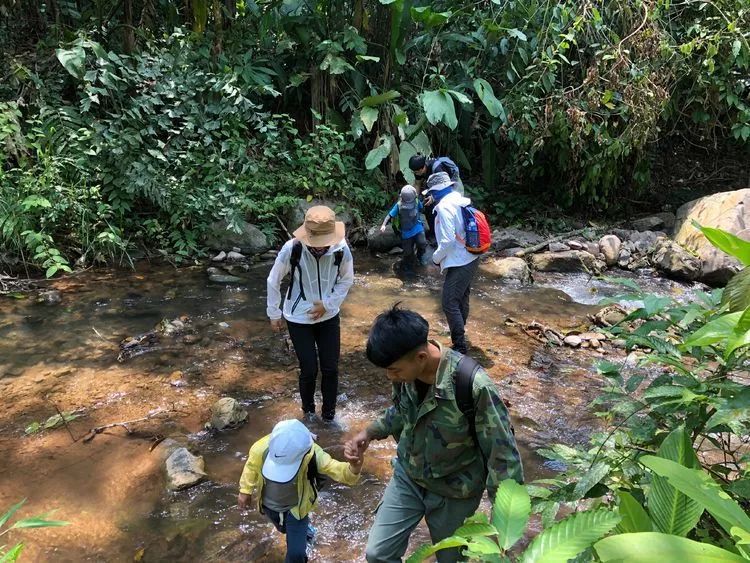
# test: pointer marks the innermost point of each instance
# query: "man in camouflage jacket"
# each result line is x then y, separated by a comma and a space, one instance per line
440, 471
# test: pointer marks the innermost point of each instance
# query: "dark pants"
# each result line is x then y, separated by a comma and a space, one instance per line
429, 213
409, 244
295, 532
456, 292
313, 343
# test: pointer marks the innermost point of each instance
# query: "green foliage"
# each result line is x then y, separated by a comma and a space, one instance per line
655, 547
54, 421
558, 543
40, 521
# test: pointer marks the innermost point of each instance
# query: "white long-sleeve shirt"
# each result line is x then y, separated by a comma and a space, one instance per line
450, 231
319, 278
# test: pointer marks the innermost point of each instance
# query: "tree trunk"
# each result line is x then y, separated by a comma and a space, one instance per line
218, 27
231, 8
128, 42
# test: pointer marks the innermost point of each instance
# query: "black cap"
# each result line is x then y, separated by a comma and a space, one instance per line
417, 162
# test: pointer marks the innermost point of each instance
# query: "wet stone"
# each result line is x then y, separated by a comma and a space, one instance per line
573, 340
226, 413
220, 257
184, 470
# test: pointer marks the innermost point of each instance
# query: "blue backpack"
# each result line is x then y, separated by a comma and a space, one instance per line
447, 163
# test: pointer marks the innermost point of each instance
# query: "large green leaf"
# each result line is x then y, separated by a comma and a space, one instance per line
727, 242
736, 295
569, 537
485, 93
438, 107
38, 522
379, 99
733, 412
72, 60
424, 551
672, 511
654, 547
717, 330
369, 116
425, 15
698, 485
510, 512
376, 155
405, 151
634, 517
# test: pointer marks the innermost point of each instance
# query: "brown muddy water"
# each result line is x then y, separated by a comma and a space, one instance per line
112, 489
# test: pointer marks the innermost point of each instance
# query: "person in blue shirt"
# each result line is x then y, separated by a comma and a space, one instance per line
408, 210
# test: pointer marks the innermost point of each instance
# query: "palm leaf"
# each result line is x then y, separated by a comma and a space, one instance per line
701, 487
654, 547
510, 512
11, 511
736, 294
571, 536
672, 511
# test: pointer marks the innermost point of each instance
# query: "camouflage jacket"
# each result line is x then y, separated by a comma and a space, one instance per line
435, 446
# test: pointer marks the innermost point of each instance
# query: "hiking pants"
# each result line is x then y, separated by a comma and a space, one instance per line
404, 504
296, 532
313, 343
408, 244
456, 292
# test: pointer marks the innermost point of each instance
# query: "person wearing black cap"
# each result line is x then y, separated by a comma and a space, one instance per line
423, 168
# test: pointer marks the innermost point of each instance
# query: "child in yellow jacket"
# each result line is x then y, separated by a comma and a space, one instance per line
284, 469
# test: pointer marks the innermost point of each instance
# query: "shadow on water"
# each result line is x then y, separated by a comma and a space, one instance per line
112, 488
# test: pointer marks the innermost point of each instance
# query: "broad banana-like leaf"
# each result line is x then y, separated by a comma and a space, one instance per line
510, 512
655, 547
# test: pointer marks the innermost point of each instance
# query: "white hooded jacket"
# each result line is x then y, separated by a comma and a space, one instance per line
450, 231
321, 278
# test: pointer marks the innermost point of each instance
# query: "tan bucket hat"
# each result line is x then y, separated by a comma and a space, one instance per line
320, 228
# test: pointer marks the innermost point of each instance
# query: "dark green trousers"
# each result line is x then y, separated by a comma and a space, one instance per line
404, 504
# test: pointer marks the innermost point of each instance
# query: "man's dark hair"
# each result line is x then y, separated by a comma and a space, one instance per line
417, 162
394, 334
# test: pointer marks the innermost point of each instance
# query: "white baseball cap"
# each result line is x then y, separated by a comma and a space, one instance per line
290, 441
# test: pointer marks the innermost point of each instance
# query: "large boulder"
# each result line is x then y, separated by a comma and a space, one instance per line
729, 211
507, 269
296, 214
249, 240
226, 413
610, 246
382, 242
670, 258
184, 470
512, 237
570, 261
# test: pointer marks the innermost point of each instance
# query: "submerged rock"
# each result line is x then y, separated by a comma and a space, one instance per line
226, 413
382, 242
220, 257
184, 470
507, 269
729, 211
568, 261
50, 297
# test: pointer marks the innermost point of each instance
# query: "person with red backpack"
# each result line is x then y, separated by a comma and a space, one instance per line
321, 271
423, 168
462, 234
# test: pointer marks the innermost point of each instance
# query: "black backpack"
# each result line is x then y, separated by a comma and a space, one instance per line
294, 260
463, 384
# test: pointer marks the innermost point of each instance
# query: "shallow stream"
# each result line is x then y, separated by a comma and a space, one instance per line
111, 489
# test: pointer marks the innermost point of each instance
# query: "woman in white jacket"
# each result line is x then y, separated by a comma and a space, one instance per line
321, 272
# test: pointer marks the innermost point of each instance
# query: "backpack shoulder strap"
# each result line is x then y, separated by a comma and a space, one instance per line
463, 383
294, 261
338, 258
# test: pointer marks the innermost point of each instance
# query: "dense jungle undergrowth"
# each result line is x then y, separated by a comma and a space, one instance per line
138, 123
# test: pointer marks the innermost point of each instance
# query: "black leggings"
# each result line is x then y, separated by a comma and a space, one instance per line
313, 343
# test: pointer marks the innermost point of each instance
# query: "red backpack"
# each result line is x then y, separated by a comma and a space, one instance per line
478, 232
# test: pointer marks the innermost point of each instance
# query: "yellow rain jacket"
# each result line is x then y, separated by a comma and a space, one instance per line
252, 478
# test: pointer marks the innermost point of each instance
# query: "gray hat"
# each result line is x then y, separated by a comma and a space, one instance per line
438, 181
408, 197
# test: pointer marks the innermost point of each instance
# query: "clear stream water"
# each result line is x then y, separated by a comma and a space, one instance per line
112, 488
